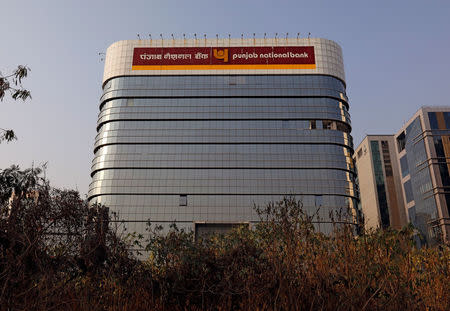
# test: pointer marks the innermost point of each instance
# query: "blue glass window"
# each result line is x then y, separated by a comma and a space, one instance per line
412, 214
404, 166
408, 191
447, 120
433, 120
381, 188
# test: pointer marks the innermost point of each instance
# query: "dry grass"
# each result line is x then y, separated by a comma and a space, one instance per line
282, 264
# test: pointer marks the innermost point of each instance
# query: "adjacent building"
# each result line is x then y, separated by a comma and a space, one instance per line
380, 182
420, 160
424, 156
198, 132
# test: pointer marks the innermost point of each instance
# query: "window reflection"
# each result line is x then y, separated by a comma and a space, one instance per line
217, 145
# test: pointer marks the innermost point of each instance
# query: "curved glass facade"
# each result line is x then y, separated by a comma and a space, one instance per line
204, 146
208, 148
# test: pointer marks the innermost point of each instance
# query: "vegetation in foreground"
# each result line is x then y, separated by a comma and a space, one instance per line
57, 253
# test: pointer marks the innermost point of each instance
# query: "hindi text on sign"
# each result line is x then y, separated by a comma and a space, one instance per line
191, 58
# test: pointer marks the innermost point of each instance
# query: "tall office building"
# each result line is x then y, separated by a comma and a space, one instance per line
379, 182
408, 174
199, 131
423, 148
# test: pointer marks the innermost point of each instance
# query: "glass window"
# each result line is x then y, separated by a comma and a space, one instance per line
319, 124
447, 200
444, 166
447, 120
318, 200
404, 166
386, 158
433, 120
412, 214
401, 141
327, 125
408, 191
381, 188
183, 200
413, 130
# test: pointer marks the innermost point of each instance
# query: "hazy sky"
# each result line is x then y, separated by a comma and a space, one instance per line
396, 56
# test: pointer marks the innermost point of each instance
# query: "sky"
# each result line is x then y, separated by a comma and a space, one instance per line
396, 56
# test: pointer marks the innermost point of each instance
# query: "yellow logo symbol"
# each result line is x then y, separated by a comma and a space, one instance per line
221, 54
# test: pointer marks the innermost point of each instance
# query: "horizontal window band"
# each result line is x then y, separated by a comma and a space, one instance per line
102, 103
228, 194
319, 103
227, 75
228, 119
243, 143
223, 168
232, 119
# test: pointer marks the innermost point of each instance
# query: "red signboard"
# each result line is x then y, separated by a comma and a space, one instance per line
210, 58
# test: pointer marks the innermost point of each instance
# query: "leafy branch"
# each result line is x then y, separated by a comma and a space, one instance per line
7, 135
12, 84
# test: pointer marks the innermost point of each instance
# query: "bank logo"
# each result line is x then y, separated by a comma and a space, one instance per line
221, 54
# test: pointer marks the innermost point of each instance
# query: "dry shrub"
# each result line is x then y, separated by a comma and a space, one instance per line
57, 254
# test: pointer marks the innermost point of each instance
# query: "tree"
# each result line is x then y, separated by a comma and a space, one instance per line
50, 239
12, 84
